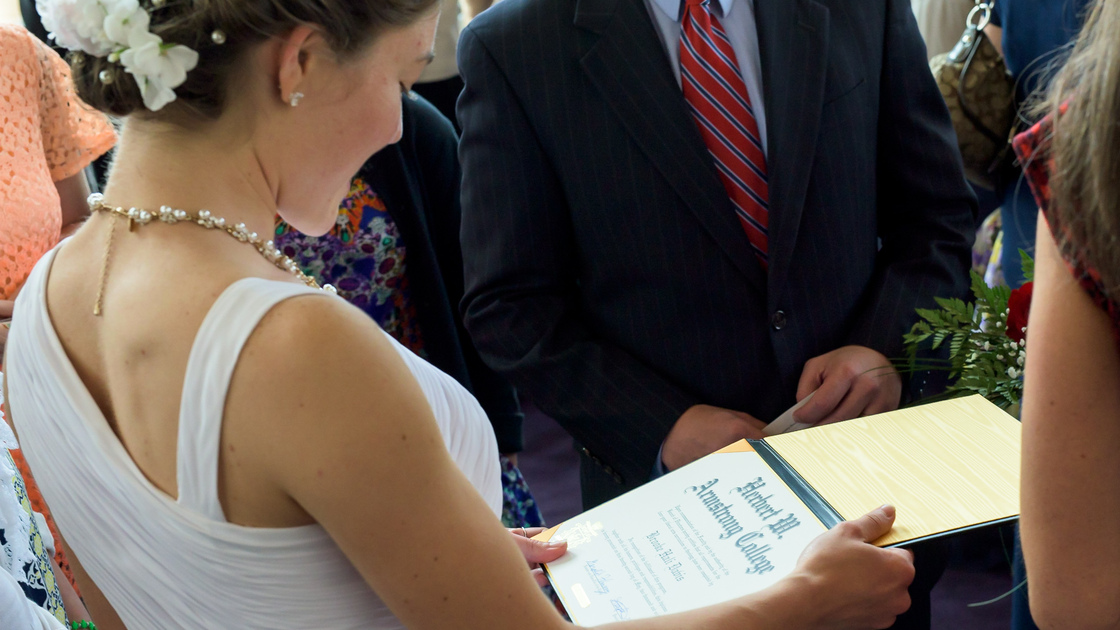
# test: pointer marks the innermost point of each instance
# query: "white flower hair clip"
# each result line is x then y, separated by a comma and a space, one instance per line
118, 30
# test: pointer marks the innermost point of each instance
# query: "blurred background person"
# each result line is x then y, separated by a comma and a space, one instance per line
941, 23
49, 137
440, 83
1033, 36
99, 169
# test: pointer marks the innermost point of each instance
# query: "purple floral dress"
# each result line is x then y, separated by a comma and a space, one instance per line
364, 258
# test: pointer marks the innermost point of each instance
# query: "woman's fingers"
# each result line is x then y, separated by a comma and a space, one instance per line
526, 532
538, 551
540, 577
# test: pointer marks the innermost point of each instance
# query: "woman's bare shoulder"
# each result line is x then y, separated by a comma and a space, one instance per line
315, 346
318, 374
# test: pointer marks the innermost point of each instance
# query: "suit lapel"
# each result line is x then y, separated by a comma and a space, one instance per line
648, 101
793, 45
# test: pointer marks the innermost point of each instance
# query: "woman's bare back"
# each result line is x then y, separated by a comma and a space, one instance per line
160, 283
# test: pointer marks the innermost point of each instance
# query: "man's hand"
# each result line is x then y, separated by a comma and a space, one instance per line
849, 382
704, 429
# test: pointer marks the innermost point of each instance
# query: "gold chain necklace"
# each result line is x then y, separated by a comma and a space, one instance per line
204, 219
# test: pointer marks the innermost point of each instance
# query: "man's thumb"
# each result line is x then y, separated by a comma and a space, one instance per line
875, 523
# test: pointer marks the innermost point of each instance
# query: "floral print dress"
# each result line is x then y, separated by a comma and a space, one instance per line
24, 550
363, 256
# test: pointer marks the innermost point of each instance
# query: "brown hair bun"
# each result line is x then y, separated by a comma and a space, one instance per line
347, 25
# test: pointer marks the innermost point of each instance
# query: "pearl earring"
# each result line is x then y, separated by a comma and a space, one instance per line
294, 98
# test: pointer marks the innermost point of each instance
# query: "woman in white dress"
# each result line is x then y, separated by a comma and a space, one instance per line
203, 478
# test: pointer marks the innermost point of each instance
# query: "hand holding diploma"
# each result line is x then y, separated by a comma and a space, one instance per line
785, 422
854, 584
849, 382
851, 585
727, 530
537, 552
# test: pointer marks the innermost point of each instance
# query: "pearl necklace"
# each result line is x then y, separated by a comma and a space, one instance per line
205, 219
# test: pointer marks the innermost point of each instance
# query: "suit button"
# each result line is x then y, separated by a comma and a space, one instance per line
778, 321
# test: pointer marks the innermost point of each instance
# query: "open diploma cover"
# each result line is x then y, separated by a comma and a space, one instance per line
736, 521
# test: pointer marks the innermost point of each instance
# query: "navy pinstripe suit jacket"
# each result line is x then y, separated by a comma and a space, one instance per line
606, 272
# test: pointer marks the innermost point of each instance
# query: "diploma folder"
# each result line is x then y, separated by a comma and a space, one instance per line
736, 521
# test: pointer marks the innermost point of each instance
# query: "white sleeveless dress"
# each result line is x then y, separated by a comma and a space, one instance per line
166, 563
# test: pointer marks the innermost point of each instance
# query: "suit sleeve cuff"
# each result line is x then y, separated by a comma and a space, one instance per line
659, 465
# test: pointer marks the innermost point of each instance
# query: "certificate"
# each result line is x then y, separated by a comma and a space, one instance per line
724, 526
736, 521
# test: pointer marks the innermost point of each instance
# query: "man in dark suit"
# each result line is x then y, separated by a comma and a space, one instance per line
679, 217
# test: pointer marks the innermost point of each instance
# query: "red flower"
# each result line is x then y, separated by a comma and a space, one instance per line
1018, 310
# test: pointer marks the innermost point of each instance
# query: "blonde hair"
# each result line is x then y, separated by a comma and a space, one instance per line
1084, 100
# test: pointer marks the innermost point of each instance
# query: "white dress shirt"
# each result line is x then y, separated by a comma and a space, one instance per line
737, 18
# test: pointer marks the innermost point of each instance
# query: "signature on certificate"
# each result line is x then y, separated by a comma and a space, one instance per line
621, 611
598, 576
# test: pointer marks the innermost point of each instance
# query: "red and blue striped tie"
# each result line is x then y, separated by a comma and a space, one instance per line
715, 92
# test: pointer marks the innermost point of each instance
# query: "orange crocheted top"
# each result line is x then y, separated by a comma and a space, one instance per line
46, 135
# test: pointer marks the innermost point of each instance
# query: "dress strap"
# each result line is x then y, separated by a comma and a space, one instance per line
214, 355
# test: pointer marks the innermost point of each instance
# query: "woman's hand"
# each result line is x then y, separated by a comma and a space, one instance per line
6, 307
73, 193
851, 583
537, 552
